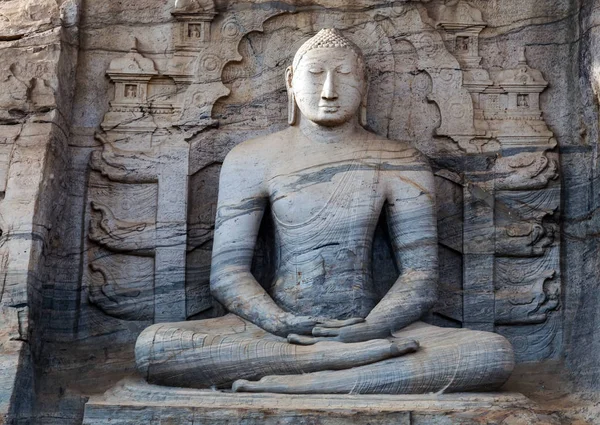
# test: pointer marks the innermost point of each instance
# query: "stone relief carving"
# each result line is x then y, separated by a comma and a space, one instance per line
194, 17
523, 299
161, 236
528, 306
198, 68
122, 286
527, 289
125, 166
482, 112
121, 251
524, 238
120, 235
142, 146
512, 99
512, 136
461, 24
447, 90
527, 170
131, 75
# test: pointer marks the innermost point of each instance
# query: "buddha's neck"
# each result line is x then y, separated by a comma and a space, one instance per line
322, 134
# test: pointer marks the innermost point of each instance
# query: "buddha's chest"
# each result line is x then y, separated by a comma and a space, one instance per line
341, 194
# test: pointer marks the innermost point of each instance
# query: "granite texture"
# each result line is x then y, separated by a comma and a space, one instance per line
38, 56
132, 402
107, 200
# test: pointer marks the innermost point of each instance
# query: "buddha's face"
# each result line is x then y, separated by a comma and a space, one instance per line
328, 85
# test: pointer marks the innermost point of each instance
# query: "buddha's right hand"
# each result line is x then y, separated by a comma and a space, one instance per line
287, 323
391, 348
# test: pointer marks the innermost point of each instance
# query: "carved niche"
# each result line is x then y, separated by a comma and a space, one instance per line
194, 18
150, 225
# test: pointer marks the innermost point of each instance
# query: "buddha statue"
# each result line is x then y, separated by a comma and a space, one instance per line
320, 326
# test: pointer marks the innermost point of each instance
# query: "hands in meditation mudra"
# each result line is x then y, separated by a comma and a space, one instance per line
320, 326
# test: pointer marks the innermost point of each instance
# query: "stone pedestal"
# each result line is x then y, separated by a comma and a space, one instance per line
136, 402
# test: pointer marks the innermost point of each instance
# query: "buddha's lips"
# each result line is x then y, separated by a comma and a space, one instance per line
329, 108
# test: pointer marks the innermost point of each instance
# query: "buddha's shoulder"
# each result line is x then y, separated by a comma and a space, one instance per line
399, 152
258, 148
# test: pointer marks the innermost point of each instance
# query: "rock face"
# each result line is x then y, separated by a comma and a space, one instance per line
116, 117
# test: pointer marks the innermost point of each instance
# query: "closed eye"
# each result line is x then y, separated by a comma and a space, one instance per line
344, 70
315, 71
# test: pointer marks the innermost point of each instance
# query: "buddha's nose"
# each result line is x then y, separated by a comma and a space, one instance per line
329, 91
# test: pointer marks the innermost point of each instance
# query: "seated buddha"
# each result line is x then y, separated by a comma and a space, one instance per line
319, 326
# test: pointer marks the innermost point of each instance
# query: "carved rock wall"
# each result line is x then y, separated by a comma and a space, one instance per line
38, 54
581, 201
107, 192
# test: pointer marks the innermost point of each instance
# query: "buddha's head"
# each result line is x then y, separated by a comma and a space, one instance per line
327, 81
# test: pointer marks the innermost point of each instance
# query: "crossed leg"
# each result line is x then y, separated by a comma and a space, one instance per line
216, 352
448, 360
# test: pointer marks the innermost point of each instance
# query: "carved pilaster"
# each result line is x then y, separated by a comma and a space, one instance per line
137, 192
137, 211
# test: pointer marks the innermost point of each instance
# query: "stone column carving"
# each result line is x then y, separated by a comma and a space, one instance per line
511, 198
138, 207
137, 212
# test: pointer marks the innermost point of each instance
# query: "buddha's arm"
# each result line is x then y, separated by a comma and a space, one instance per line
413, 233
241, 204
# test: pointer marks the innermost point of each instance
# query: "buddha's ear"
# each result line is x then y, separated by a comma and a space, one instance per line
362, 118
289, 74
292, 107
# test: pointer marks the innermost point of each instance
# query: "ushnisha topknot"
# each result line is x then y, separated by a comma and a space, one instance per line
327, 38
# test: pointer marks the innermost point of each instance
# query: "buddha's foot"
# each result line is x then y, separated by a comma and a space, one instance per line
337, 381
363, 353
333, 355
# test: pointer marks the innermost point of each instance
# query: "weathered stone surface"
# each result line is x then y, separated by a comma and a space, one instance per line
38, 51
527, 273
132, 402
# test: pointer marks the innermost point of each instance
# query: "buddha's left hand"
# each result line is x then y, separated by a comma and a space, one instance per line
357, 332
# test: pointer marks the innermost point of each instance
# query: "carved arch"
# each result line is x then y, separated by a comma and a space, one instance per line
208, 87
401, 23
453, 100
